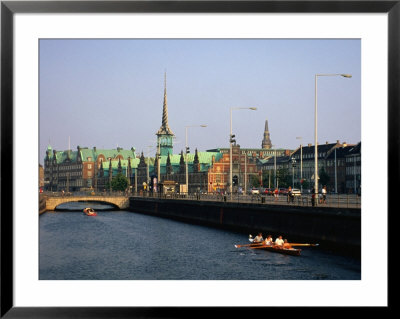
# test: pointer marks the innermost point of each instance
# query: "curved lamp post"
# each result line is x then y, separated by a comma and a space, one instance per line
301, 162
315, 131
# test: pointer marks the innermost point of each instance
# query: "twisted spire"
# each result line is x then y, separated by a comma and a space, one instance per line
164, 129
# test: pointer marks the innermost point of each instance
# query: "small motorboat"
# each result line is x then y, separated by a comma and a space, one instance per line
89, 211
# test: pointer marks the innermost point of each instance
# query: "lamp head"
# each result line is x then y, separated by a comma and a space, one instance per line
346, 75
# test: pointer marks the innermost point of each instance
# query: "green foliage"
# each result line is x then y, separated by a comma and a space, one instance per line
118, 183
254, 181
284, 178
306, 184
323, 177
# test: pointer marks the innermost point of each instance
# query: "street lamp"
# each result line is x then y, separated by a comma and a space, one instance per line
315, 131
187, 152
231, 140
147, 166
301, 162
293, 164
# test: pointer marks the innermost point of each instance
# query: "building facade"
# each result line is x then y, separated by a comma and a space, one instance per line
244, 168
353, 170
86, 168
335, 168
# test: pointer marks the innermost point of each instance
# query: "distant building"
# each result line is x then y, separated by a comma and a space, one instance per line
353, 169
255, 153
86, 168
244, 168
266, 142
333, 159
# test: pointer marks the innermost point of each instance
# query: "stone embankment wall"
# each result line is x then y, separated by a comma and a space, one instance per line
333, 228
42, 204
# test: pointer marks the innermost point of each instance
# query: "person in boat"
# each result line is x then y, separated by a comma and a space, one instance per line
258, 238
286, 244
269, 241
279, 242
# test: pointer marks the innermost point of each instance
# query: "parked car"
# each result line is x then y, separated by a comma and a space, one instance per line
296, 192
255, 191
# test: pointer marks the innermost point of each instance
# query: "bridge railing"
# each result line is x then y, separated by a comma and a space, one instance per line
332, 200
86, 194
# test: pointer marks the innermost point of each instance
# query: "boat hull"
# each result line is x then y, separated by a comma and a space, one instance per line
292, 252
89, 212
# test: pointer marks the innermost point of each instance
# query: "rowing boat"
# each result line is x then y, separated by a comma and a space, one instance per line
286, 251
89, 212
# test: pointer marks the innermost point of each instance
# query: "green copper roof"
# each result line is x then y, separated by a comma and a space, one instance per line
93, 153
113, 153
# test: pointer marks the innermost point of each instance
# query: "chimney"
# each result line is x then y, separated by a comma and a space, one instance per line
326, 142
309, 144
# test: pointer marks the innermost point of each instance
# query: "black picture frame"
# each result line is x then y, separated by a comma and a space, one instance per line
9, 8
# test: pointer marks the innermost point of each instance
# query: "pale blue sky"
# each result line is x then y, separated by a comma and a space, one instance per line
109, 93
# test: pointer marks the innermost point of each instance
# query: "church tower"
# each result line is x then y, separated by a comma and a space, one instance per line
266, 142
164, 134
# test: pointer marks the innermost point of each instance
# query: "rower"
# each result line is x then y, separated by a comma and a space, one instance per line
269, 241
279, 241
286, 244
258, 238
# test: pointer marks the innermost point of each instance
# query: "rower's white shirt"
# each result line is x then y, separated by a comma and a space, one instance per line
268, 241
258, 239
279, 241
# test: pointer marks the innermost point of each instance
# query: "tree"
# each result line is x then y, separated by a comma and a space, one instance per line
119, 182
284, 178
254, 181
323, 177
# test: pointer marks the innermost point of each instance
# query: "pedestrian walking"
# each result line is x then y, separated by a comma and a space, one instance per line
324, 194
313, 197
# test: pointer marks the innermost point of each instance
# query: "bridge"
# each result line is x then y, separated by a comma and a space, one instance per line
50, 202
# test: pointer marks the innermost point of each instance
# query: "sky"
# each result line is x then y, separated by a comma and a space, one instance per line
109, 93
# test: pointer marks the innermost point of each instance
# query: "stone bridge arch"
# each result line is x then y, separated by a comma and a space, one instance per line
120, 202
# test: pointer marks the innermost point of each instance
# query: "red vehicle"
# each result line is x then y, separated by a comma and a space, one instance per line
269, 191
283, 191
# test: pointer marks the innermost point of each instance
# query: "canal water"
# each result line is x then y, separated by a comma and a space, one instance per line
123, 245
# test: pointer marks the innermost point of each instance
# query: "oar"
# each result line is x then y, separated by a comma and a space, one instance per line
261, 246
303, 244
248, 245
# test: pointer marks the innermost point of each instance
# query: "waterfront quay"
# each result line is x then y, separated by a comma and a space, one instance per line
334, 228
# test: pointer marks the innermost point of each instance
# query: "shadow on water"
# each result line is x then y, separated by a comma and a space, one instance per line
79, 206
